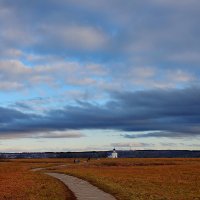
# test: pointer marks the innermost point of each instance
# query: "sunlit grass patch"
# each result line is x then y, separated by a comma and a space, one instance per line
141, 179
17, 182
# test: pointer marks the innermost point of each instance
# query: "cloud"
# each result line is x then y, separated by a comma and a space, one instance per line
130, 144
76, 37
134, 46
48, 135
57, 73
171, 144
65, 134
160, 113
10, 115
104, 29
170, 134
85, 55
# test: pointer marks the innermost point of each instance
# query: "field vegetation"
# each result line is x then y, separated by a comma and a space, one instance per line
142, 179
126, 179
17, 182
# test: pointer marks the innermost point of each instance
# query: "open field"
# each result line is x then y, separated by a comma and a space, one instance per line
17, 182
126, 179
143, 179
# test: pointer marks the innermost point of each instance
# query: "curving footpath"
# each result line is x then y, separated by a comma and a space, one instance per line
83, 190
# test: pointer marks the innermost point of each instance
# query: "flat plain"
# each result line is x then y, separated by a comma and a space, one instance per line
18, 182
126, 179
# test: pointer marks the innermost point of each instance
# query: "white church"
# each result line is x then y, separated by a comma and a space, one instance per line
113, 154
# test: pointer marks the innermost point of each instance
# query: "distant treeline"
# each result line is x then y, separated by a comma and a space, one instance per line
104, 154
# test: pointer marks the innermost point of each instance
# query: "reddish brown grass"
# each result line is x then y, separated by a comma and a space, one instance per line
127, 179
142, 179
17, 182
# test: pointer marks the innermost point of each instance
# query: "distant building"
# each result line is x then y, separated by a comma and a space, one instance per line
113, 154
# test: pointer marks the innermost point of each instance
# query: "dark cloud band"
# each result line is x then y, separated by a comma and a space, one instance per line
163, 113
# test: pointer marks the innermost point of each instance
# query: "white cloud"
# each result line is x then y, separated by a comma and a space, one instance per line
179, 76
49, 135
130, 144
9, 86
59, 134
16, 75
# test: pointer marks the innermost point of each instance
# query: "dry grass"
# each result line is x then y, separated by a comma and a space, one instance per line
142, 179
17, 182
127, 179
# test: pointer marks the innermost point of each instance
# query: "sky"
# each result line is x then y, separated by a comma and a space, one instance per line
79, 75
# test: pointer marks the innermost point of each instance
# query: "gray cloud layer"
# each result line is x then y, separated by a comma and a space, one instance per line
164, 113
107, 44
145, 31
85, 49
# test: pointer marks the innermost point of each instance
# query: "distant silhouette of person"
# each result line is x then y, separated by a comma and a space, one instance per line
88, 159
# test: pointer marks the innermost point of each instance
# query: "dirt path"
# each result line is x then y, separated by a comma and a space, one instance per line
83, 190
